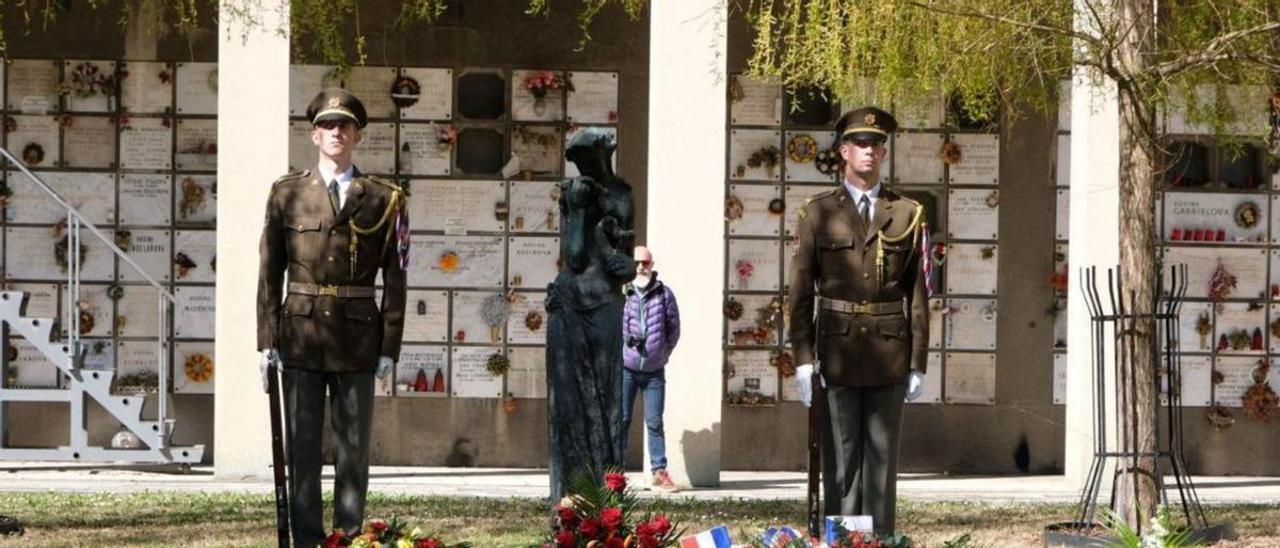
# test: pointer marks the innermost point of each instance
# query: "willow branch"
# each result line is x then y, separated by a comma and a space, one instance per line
1219, 49
1005, 20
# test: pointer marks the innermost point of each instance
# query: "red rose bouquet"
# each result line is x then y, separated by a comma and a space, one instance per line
603, 512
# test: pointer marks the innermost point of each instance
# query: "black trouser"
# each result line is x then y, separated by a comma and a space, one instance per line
860, 452
351, 409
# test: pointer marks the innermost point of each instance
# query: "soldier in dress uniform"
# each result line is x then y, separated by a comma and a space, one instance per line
332, 229
859, 313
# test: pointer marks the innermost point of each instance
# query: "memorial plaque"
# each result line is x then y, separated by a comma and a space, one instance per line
1236, 324
149, 249
194, 312
146, 87
42, 300
1199, 217
747, 210
1248, 265
539, 149
377, 152
34, 140
33, 86
1176, 113
1059, 378
457, 261
435, 102
1197, 374
932, 392
746, 330
749, 372
1060, 325
534, 207
571, 169
1237, 377
137, 367
138, 312
971, 378
920, 113
302, 152
755, 154
979, 159
528, 324
100, 354
470, 377
971, 269
1064, 105
468, 323
787, 387
198, 248
32, 256
794, 198
753, 265
758, 104
197, 88
423, 371
801, 149
146, 143
1062, 165
373, 86
546, 105
1062, 219
422, 152
917, 160
305, 81
1246, 103
193, 367
89, 86
91, 193
533, 261
1273, 325
198, 145
1195, 327
973, 214
145, 199
426, 316
456, 206
98, 309
89, 142
937, 315
196, 199
971, 324
594, 98
34, 370
528, 375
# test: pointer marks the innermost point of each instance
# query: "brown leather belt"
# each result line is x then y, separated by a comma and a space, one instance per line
863, 307
340, 291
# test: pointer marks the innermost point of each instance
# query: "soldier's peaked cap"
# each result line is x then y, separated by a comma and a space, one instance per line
337, 104
865, 124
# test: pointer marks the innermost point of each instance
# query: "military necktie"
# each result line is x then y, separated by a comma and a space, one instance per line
864, 210
333, 196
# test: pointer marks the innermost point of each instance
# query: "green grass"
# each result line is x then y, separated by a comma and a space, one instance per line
168, 519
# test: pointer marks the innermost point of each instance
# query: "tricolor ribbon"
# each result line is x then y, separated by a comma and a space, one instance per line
926, 260
402, 237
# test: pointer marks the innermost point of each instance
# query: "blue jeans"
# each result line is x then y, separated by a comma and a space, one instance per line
654, 386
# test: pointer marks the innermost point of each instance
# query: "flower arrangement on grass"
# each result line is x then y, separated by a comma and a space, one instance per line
378, 533
603, 512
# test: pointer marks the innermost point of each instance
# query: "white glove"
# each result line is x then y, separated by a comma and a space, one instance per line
915, 385
270, 357
384, 367
804, 383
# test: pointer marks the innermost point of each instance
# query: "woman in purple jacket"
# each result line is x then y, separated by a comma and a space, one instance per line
651, 329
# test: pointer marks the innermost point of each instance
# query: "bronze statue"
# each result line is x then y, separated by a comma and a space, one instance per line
584, 337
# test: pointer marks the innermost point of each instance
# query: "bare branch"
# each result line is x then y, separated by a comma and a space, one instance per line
933, 7
1219, 49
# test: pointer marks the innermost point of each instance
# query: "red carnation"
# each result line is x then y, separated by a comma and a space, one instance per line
615, 482
614, 542
378, 525
334, 540
660, 525
428, 543
568, 518
590, 528
565, 539
612, 518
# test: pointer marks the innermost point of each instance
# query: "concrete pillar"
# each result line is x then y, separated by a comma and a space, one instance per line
687, 102
1094, 241
253, 150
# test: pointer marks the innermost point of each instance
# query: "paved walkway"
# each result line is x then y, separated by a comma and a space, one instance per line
506, 482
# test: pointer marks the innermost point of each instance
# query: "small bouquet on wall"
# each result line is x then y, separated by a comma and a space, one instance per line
541, 82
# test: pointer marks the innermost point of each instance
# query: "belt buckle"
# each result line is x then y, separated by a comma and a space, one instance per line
327, 291
862, 308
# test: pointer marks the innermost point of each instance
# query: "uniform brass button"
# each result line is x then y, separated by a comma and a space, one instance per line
326, 313
862, 330
866, 275
331, 259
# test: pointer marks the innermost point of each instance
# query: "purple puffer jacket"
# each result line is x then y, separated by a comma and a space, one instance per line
663, 317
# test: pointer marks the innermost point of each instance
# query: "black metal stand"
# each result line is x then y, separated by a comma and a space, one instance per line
1115, 328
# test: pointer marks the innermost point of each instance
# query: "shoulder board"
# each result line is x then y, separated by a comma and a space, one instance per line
388, 184
292, 176
804, 209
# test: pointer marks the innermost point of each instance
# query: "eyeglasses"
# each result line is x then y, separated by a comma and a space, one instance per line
332, 124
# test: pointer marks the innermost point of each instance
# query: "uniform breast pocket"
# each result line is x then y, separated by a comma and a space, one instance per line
835, 238
896, 256
362, 311
304, 238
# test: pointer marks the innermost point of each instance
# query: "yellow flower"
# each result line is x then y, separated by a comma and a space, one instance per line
404, 543
360, 542
417, 533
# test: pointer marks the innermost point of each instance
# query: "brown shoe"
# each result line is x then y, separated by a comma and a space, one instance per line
662, 481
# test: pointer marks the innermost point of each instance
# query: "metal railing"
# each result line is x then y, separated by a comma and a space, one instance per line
76, 221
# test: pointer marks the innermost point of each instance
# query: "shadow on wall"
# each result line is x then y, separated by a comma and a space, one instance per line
463, 454
695, 446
